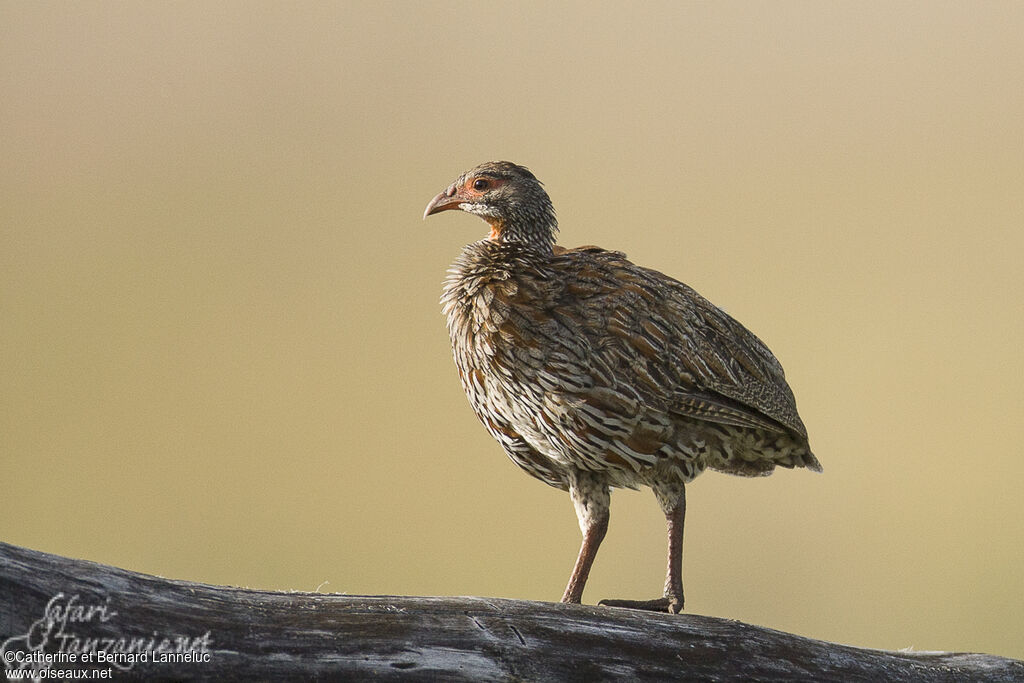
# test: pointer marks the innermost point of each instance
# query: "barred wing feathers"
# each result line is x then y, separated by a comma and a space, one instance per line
676, 349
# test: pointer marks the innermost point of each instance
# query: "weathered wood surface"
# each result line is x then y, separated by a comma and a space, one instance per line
52, 604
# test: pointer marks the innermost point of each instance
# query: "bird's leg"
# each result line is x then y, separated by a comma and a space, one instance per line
591, 499
675, 517
673, 503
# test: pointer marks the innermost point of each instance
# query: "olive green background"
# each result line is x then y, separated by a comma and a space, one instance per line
223, 357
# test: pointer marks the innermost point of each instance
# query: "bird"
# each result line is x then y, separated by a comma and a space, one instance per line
594, 373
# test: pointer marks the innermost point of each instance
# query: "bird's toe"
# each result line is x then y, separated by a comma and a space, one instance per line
670, 605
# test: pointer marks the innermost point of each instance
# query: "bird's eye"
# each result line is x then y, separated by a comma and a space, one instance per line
480, 185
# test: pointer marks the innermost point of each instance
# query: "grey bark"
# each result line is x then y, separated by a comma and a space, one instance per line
51, 604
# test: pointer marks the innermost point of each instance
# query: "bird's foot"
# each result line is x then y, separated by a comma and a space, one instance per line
666, 604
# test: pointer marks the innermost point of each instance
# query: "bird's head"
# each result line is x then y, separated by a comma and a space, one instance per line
508, 197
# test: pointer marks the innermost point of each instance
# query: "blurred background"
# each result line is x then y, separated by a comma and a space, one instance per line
224, 358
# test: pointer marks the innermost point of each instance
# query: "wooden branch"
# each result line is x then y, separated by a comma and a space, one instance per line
143, 627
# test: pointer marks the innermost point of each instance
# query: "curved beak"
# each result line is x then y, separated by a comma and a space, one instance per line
443, 202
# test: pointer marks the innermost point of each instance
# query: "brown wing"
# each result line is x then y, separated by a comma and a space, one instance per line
677, 350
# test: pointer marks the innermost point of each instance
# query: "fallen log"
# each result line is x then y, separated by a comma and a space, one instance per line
60, 615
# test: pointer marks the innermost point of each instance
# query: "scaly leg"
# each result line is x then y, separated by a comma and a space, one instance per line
590, 497
674, 507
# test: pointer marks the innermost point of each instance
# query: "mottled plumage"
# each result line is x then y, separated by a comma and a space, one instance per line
593, 372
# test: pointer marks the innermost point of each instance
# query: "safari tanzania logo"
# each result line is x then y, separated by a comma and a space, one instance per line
79, 639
